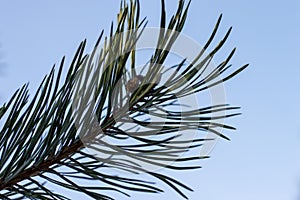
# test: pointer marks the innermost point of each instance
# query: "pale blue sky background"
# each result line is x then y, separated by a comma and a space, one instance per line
262, 160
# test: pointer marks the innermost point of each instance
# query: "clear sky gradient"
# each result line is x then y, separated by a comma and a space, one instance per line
262, 160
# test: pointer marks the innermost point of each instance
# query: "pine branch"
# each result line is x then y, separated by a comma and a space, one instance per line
103, 105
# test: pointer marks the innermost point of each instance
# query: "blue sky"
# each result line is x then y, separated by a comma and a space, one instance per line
262, 160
